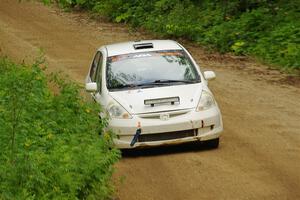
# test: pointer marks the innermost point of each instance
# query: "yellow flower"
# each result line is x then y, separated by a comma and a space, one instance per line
27, 144
106, 136
49, 136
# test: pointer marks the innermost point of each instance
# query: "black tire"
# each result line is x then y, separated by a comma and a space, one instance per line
212, 144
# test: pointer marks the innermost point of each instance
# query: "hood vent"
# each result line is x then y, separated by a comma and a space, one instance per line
143, 46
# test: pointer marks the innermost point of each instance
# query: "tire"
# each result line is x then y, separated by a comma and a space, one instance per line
212, 144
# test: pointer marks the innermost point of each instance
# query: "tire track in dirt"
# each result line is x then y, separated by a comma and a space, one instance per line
259, 156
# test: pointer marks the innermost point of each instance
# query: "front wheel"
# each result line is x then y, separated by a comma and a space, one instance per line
212, 144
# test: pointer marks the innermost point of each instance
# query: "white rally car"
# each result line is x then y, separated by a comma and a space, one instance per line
154, 94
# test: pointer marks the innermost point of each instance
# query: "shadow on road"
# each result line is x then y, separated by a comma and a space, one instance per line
163, 150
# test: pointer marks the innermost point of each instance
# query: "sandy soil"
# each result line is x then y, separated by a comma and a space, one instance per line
259, 154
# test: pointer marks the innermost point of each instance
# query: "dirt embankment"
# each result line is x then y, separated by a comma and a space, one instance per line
259, 156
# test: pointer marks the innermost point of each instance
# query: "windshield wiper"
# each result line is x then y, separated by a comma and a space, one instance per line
175, 81
165, 82
161, 82
133, 86
124, 86
150, 84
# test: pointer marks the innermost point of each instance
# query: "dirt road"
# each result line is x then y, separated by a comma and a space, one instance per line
259, 155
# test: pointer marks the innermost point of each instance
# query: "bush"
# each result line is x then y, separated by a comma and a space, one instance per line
265, 29
50, 144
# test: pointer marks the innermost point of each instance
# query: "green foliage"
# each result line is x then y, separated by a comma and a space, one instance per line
50, 144
265, 29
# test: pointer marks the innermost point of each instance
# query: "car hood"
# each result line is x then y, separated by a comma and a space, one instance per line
133, 100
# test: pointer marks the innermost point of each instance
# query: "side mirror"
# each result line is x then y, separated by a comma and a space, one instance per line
209, 75
91, 87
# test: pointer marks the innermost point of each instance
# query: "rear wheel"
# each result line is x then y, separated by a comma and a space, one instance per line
212, 144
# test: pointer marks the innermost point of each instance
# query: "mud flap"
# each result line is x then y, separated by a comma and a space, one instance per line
136, 137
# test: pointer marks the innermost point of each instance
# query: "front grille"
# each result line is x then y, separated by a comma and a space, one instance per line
167, 135
156, 115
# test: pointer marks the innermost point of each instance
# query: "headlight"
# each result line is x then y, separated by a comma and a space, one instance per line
115, 110
206, 101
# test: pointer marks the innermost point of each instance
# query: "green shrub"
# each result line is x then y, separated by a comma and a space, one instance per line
265, 29
50, 143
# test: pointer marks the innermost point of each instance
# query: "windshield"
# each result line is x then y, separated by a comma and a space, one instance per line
150, 69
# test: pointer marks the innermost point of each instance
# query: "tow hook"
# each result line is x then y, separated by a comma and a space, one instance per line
136, 136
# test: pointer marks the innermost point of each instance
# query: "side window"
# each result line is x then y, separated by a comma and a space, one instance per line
94, 67
99, 72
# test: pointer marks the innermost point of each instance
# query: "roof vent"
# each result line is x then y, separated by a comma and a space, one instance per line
143, 46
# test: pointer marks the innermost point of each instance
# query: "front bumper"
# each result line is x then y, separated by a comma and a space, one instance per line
206, 124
